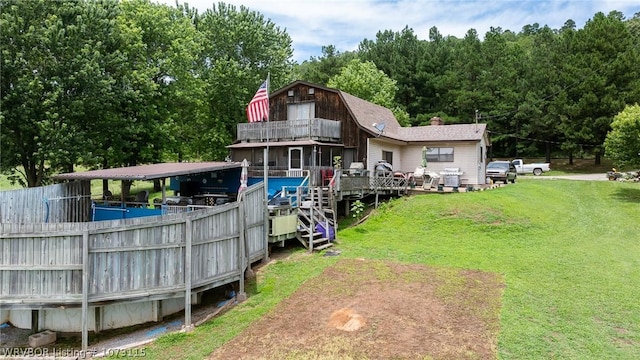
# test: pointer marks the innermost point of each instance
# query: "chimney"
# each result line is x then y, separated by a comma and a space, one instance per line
436, 120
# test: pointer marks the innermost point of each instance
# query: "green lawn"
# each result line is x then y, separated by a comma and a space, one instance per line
568, 250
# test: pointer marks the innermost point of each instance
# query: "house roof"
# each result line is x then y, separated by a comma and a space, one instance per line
366, 114
149, 172
453, 132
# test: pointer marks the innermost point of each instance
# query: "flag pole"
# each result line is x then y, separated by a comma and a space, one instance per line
266, 181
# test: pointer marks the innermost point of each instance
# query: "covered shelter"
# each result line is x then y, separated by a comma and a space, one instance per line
193, 184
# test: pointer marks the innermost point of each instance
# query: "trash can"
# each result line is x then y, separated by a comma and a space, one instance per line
326, 230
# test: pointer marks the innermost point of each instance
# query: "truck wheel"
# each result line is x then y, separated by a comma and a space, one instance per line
513, 181
537, 171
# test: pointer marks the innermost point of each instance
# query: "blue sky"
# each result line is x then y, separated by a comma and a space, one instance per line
344, 24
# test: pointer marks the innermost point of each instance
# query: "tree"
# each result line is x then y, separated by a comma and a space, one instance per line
622, 143
169, 54
241, 48
53, 77
319, 70
364, 80
397, 54
603, 77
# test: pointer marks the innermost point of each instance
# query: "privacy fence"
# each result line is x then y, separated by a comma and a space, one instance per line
158, 257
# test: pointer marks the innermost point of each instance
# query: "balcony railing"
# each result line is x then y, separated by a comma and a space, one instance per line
314, 129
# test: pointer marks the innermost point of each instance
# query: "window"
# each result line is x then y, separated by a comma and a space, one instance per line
443, 154
301, 111
295, 158
387, 156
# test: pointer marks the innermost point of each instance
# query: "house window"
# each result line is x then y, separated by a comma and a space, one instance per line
295, 158
387, 156
301, 111
443, 154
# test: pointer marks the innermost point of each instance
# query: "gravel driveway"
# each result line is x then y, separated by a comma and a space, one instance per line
592, 177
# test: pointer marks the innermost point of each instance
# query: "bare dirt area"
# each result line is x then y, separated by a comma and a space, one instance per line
369, 309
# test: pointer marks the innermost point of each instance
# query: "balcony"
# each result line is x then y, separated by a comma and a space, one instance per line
313, 129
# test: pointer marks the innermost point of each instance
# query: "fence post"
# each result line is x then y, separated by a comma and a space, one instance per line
244, 253
85, 289
187, 274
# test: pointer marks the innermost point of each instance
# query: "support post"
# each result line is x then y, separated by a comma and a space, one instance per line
243, 254
85, 289
266, 203
187, 274
312, 223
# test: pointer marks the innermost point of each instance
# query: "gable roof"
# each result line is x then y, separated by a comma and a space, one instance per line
366, 114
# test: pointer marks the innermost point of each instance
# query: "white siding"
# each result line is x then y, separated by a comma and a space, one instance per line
374, 154
466, 156
469, 156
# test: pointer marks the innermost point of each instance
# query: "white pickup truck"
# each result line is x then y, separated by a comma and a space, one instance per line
536, 169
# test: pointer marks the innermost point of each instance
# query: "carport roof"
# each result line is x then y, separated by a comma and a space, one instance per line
149, 172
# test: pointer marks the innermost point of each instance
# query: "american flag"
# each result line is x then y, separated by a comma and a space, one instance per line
258, 108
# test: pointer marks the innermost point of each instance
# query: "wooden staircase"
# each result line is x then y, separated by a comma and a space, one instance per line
317, 208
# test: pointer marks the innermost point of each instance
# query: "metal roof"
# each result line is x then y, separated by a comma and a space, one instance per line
149, 172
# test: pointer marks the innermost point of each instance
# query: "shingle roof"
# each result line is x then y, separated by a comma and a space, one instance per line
457, 132
366, 114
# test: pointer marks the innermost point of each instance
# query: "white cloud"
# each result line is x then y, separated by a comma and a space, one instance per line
344, 24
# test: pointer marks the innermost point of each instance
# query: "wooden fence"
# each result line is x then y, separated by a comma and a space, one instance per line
151, 258
66, 202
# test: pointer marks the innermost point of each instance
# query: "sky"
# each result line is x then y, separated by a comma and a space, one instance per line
344, 24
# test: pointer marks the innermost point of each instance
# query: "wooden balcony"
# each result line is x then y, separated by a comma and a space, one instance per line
313, 129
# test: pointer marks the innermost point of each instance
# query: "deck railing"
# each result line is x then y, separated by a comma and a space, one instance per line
316, 129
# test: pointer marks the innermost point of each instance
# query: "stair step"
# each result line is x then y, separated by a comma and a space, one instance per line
320, 240
321, 247
305, 233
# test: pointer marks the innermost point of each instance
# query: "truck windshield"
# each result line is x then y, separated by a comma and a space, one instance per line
498, 166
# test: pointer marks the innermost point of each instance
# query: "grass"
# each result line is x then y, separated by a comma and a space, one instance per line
568, 251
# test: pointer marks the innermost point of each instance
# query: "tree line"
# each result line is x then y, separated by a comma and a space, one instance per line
103, 84
542, 91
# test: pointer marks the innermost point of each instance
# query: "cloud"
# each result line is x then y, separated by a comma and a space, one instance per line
344, 24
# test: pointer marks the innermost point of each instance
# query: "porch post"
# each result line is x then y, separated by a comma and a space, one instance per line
266, 203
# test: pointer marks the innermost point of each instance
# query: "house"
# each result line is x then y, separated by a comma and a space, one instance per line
312, 127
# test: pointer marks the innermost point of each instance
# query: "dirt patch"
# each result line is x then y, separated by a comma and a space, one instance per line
366, 309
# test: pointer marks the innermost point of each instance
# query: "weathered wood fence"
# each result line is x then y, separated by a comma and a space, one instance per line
52, 264
66, 202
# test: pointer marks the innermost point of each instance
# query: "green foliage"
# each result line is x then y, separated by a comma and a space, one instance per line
357, 210
365, 81
241, 48
104, 84
319, 70
622, 144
